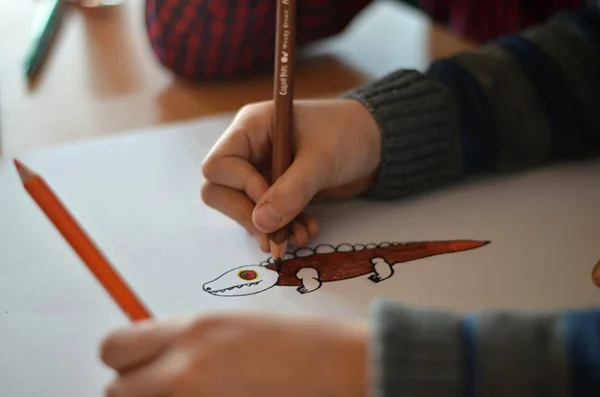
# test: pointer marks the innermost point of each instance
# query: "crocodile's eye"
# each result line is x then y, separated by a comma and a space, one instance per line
247, 274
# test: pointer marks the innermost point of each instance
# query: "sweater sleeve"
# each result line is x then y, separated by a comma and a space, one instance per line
423, 352
517, 102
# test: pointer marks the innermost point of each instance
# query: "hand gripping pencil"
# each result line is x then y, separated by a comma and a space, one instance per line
82, 244
283, 97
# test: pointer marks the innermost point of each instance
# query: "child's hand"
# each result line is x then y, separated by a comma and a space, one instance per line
336, 149
248, 355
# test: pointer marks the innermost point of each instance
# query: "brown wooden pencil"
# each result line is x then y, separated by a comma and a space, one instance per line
82, 244
283, 96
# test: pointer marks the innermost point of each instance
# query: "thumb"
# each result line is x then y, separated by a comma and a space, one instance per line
289, 195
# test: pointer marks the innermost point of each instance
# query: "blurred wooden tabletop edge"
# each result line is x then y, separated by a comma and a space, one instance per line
102, 78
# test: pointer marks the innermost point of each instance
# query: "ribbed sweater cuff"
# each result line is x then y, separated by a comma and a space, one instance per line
425, 352
415, 352
517, 353
418, 119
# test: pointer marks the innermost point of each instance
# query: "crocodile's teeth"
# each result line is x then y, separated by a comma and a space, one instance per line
222, 291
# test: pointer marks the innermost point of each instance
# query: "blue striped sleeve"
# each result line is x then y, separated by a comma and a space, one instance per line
564, 118
428, 352
528, 98
526, 354
581, 335
476, 128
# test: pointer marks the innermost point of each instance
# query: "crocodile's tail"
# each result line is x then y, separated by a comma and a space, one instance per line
453, 245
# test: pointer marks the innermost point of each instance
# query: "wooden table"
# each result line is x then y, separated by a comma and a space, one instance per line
102, 77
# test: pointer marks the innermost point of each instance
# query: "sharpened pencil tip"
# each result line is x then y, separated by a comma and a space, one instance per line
24, 173
278, 263
18, 164
277, 250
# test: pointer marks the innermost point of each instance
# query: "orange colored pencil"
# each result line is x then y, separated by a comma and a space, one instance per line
82, 244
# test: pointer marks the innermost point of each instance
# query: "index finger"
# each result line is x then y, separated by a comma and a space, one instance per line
248, 135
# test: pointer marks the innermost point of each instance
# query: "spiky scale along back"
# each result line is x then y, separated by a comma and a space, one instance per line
346, 261
328, 248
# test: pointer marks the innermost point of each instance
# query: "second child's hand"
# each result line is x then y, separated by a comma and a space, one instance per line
238, 354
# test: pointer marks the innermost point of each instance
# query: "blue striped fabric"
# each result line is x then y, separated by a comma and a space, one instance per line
582, 337
470, 365
564, 118
477, 134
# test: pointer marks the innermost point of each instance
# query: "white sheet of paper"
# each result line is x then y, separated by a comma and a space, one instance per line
138, 197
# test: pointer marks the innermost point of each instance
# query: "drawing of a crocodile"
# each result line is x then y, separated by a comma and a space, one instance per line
307, 269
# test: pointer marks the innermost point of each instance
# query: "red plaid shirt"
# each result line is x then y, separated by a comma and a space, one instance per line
224, 39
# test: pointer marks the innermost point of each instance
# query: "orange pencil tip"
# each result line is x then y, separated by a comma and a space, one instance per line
18, 164
24, 173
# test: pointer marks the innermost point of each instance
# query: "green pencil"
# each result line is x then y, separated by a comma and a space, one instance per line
45, 25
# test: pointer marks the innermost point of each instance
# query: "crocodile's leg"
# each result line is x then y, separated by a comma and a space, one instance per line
382, 270
310, 280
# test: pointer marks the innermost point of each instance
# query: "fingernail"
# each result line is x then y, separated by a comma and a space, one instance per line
267, 217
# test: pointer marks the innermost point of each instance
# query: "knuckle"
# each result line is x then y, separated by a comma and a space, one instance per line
251, 108
107, 349
207, 322
206, 193
246, 109
244, 114
204, 327
252, 112
209, 167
